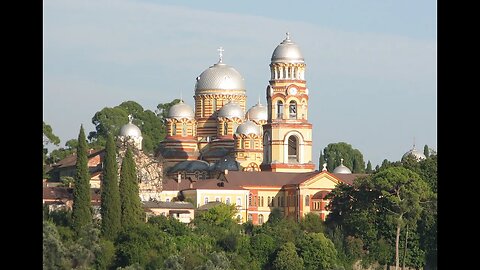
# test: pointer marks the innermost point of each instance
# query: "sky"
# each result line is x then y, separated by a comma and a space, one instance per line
371, 65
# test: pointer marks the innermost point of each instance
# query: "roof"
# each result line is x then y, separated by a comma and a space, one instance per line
58, 193
171, 185
71, 160
168, 205
348, 178
263, 178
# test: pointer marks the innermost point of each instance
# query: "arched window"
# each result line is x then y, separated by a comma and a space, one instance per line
239, 201
225, 128
260, 219
184, 129
174, 129
279, 109
292, 110
261, 202
227, 200
205, 200
307, 200
292, 149
269, 201
252, 144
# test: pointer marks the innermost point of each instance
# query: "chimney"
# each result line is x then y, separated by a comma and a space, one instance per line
226, 171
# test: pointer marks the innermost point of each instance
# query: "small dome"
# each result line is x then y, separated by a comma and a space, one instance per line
130, 130
220, 77
249, 127
226, 163
230, 110
342, 168
287, 52
181, 110
257, 113
418, 155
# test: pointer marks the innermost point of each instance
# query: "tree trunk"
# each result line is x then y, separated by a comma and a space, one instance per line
405, 249
397, 261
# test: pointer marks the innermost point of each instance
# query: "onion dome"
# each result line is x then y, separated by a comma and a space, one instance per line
130, 130
287, 52
220, 77
257, 113
181, 110
249, 127
418, 155
342, 168
230, 110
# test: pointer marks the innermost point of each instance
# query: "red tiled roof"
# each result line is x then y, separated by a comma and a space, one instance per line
243, 179
171, 185
58, 193
348, 178
72, 159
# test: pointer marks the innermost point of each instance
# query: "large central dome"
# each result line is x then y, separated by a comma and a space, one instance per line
219, 77
287, 52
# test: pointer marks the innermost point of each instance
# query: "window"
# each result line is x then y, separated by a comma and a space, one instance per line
260, 219
293, 110
292, 149
252, 144
239, 201
167, 199
261, 202
174, 129
307, 200
250, 217
249, 199
184, 129
269, 202
206, 200
225, 128
217, 199
279, 109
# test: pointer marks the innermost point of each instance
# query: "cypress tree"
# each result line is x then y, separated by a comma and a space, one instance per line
81, 210
426, 152
110, 207
321, 161
369, 167
131, 207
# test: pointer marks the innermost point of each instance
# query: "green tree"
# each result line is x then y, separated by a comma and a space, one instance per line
352, 158
287, 258
312, 222
131, 206
220, 215
54, 252
163, 108
110, 197
81, 209
369, 167
49, 136
262, 247
402, 194
426, 152
317, 251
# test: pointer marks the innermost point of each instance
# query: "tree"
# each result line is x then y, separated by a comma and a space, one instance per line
402, 194
163, 108
81, 209
317, 251
220, 215
287, 258
352, 158
312, 223
262, 247
426, 152
54, 251
110, 197
49, 136
131, 206
369, 167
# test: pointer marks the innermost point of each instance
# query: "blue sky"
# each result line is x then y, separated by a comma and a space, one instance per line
371, 65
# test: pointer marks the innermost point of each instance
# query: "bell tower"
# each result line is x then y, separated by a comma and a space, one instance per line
287, 135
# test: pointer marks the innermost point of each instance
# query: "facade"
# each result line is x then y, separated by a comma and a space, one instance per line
182, 211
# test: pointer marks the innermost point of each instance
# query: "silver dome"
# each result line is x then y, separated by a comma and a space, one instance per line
257, 113
418, 155
181, 110
220, 77
130, 130
342, 168
230, 110
287, 52
249, 127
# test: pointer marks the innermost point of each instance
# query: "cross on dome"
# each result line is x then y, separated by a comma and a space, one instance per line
220, 54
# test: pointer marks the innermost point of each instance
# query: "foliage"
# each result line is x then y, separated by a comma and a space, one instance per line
163, 108
262, 247
220, 215
426, 151
312, 222
317, 251
81, 210
110, 197
49, 136
54, 251
287, 258
106, 255
169, 225
369, 167
352, 158
131, 207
